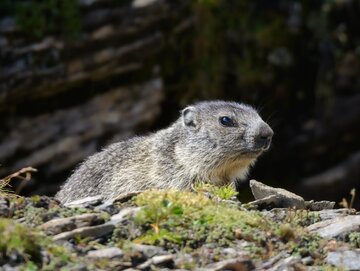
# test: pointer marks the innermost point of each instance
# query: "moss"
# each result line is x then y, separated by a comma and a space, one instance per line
30, 266
327, 267
39, 18
59, 257
224, 192
354, 239
35, 199
35, 216
31, 215
194, 218
286, 232
20, 243
186, 220
307, 245
17, 241
179, 221
302, 217
124, 233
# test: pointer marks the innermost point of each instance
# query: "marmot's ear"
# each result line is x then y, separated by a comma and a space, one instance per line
189, 117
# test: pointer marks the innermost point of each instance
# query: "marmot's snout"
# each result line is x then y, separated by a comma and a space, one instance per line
263, 137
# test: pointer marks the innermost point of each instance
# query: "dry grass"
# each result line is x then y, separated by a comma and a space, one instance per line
345, 203
23, 174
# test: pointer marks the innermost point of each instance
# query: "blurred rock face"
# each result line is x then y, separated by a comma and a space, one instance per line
88, 74
63, 97
55, 142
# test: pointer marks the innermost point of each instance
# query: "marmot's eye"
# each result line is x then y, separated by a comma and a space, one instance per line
226, 121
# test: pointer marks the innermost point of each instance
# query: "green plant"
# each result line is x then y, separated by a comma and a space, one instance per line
28, 245
354, 239
302, 218
39, 18
195, 219
223, 192
18, 240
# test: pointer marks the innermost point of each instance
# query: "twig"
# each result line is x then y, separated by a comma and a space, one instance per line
19, 175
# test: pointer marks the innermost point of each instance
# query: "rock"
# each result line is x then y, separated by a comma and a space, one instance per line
347, 260
231, 252
268, 197
319, 205
280, 57
107, 206
336, 227
238, 264
143, 3
3, 42
59, 225
123, 214
8, 267
269, 202
330, 214
106, 253
94, 231
85, 202
183, 261
336, 176
167, 260
127, 196
147, 250
79, 267
7, 24
278, 196
307, 260
291, 263
271, 262
4, 207
162, 258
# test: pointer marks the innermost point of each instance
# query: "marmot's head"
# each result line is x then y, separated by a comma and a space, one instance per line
226, 133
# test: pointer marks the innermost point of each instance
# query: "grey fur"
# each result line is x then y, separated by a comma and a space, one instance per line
196, 147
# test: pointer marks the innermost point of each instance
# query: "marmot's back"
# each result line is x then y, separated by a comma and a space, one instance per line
96, 174
212, 141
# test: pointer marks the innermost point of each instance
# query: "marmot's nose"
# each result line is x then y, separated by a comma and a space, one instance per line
264, 136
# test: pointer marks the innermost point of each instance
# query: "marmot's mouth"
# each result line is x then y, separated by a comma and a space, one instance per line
259, 149
252, 153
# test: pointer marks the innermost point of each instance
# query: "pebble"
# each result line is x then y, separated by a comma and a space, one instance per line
147, 250
58, 225
107, 206
288, 263
237, 264
8, 267
348, 259
94, 231
157, 260
85, 202
319, 205
330, 214
143, 3
336, 227
106, 253
4, 207
126, 197
280, 197
124, 214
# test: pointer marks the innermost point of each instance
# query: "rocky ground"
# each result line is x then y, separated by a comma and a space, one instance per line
208, 229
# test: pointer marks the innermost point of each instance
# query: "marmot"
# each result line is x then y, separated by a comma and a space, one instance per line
212, 141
